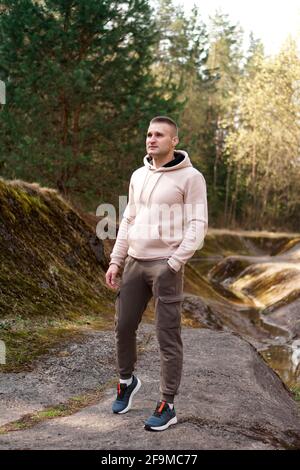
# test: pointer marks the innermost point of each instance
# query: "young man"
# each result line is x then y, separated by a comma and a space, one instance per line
164, 223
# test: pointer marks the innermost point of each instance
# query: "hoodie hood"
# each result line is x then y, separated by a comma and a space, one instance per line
181, 160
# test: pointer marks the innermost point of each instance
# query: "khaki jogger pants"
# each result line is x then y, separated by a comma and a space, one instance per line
140, 281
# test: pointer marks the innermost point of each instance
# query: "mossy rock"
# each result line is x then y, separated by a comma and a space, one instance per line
52, 265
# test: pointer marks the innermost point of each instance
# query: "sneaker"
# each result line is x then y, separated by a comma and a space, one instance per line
162, 418
122, 404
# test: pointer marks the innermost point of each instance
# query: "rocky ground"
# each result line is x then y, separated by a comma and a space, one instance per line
229, 398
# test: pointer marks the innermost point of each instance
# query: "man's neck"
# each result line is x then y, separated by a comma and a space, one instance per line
158, 163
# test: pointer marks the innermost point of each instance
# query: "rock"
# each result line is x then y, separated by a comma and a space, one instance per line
70, 369
201, 312
228, 399
296, 330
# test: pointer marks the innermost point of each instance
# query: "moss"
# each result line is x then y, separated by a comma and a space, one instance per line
231, 267
286, 246
14, 199
230, 242
296, 392
223, 245
197, 284
49, 266
56, 412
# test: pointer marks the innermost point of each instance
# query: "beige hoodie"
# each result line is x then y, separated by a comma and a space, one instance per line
166, 215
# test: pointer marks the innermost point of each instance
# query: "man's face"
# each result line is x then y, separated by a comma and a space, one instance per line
161, 139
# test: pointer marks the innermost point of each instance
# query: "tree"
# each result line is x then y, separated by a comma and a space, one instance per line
263, 147
79, 90
181, 56
225, 65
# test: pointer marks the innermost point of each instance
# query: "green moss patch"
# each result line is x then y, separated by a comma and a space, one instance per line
52, 274
296, 393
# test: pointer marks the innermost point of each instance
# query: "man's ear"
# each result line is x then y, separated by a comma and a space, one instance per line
175, 140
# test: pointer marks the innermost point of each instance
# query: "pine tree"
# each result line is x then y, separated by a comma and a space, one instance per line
79, 90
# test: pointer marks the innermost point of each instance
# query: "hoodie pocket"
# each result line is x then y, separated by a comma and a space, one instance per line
143, 232
144, 237
170, 238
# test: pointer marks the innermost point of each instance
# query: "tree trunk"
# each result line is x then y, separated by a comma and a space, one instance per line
227, 194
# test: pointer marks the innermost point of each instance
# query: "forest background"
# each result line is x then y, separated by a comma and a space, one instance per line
83, 79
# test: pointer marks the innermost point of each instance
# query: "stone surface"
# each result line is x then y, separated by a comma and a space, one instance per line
72, 369
229, 399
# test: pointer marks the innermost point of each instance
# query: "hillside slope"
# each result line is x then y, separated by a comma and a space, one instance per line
52, 270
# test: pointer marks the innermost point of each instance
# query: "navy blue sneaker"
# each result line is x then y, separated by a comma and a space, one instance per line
162, 418
122, 403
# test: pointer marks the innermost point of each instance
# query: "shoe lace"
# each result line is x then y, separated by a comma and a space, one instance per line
121, 391
161, 406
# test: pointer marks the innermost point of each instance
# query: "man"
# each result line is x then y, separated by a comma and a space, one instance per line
164, 222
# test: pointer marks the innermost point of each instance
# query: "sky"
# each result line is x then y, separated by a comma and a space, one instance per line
270, 20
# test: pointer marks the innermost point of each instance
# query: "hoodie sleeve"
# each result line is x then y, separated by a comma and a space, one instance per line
195, 221
121, 246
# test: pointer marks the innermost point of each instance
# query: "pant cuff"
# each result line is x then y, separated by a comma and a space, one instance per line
125, 377
167, 398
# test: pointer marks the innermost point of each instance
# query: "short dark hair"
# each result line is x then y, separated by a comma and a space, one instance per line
167, 120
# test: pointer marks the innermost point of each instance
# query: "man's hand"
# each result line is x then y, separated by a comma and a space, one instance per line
110, 276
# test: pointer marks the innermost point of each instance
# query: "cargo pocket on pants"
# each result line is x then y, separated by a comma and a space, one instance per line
169, 311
